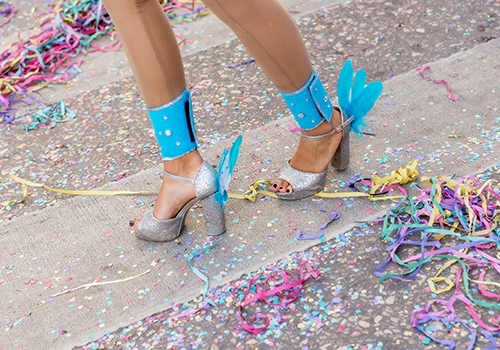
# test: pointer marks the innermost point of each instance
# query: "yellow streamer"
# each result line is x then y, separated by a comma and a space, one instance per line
25, 183
94, 284
400, 176
484, 282
432, 286
15, 201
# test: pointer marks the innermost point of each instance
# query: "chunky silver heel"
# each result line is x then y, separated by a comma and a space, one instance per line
341, 158
215, 217
205, 186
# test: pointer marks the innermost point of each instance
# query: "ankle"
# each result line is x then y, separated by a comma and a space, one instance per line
186, 166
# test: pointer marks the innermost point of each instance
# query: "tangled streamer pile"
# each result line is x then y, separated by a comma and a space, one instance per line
464, 212
47, 57
66, 31
189, 10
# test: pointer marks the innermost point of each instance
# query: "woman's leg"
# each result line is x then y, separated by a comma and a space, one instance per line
269, 33
154, 56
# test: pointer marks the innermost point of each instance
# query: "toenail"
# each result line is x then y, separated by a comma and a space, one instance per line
275, 185
131, 223
287, 191
281, 188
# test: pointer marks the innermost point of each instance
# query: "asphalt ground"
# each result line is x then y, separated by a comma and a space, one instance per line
111, 140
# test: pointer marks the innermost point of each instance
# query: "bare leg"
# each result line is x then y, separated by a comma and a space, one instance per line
270, 35
154, 56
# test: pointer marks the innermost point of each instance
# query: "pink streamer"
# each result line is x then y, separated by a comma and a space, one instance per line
11, 15
423, 69
291, 284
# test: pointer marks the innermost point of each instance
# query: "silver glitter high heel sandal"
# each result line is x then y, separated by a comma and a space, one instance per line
307, 184
311, 106
175, 133
205, 186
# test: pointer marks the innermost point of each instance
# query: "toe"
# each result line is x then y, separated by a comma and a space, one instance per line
276, 185
135, 222
284, 187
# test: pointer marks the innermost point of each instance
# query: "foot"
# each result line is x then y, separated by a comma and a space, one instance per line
175, 194
313, 156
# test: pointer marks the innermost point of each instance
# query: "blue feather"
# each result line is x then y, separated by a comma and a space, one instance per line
226, 166
344, 86
356, 100
359, 84
366, 99
234, 153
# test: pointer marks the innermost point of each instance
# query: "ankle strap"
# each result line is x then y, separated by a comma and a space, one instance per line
178, 178
310, 104
336, 130
174, 126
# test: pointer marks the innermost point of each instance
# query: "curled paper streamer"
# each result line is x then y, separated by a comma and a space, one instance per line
467, 211
421, 70
67, 30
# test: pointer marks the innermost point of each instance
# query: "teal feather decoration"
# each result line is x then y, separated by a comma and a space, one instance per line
356, 100
226, 166
344, 86
359, 83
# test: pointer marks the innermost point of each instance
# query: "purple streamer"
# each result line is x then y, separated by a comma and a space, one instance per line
300, 235
240, 64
